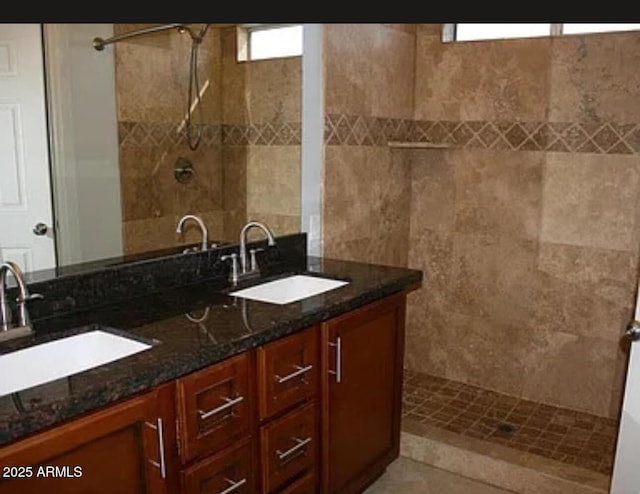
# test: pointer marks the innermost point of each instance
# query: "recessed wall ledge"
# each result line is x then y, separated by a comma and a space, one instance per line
418, 145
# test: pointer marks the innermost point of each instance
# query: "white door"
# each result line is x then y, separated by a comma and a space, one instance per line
626, 468
25, 192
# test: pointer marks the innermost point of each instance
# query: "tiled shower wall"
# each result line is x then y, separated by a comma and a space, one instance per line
261, 135
526, 227
247, 165
527, 231
152, 78
368, 73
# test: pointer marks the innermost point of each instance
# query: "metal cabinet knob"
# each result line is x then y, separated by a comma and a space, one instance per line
633, 331
40, 229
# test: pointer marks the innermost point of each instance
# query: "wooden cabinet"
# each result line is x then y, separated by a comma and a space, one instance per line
288, 372
362, 354
316, 411
125, 448
306, 485
214, 407
288, 447
216, 426
250, 423
227, 472
288, 387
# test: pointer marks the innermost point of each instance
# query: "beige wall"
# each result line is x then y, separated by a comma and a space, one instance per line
527, 228
152, 77
368, 97
248, 163
262, 115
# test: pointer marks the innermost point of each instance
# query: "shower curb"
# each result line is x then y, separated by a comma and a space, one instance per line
497, 465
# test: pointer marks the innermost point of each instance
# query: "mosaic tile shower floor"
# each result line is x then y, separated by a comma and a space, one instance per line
571, 437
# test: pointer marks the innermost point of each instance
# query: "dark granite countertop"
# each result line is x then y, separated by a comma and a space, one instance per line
192, 327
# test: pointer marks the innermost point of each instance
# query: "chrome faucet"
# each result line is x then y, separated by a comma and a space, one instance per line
24, 322
244, 269
203, 228
248, 264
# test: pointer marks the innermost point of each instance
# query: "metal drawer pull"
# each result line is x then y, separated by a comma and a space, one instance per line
234, 485
338, 371
300, 443
161, 465
298, 372
229, 404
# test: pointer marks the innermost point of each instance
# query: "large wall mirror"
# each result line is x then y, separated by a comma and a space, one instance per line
154, 127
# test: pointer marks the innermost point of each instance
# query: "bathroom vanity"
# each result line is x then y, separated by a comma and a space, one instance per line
233, 395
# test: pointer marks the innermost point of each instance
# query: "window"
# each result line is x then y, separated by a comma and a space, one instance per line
485, 31
263, 41
469, 32
597, 28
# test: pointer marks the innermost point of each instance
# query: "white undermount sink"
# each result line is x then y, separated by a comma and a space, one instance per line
53, 360
289, 289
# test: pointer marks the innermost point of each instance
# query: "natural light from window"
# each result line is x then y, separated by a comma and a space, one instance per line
487, 31
468, 32
573, 28
275, 42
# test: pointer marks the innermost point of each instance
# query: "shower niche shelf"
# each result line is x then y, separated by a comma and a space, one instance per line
419, 145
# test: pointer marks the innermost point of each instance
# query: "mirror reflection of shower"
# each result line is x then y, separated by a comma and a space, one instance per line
193, 132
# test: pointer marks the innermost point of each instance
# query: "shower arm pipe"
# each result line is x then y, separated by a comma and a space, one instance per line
99, 43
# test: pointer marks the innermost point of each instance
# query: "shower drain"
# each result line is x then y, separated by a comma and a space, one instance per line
505, 428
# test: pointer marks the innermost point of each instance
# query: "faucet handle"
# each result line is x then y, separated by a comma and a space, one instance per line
233, 276
253, 262
30, 297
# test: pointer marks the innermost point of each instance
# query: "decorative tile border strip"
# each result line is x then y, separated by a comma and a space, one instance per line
602, 138
263, 134
157, 134
353, 130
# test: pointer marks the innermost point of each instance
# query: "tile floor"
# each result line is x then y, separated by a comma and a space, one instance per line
560, 434
405, 476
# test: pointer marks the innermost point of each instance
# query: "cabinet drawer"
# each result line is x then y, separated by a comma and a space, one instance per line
287, 372
214, 407
306, 485
288, 447
228, 472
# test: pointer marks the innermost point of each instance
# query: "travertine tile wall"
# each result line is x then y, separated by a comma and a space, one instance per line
526, 228
248, 163
152, 78
530, 251
261, 140
369, 75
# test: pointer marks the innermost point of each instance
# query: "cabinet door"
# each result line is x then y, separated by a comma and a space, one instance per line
125, 448
362, 384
